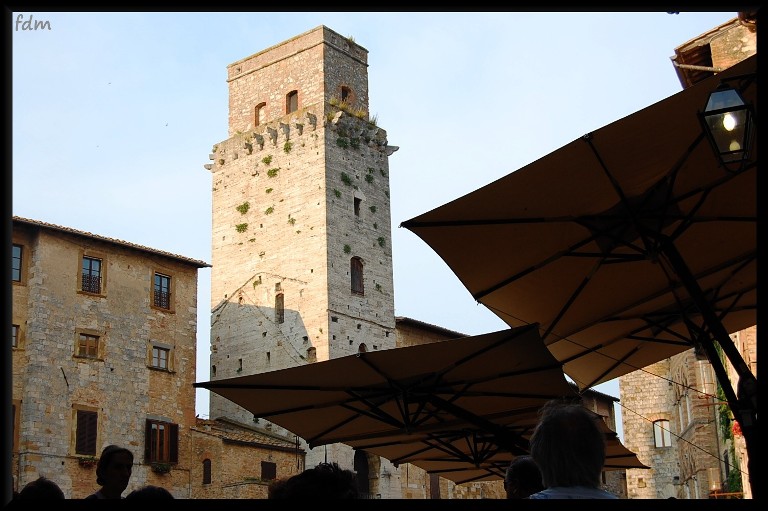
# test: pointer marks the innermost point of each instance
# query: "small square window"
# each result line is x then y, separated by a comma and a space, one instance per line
88, 346
160, 357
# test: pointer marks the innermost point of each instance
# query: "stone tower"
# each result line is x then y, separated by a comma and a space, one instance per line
301, 248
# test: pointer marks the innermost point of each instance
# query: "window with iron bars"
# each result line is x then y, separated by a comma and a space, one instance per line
162, 295
91, 275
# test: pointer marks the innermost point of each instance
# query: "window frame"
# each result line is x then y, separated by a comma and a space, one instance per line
21, 264
171, 289
86, 432
207, 471
102, 281
91, 334
357, 274
258, 110
280, 308
662, 434
161, 435
292, 102
268, 470
15, 336
170, 351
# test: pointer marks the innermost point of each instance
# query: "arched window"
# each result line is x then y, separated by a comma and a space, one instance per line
362, 348
292, 102
259, 114
279, 308
662, 437
356, 271
206, 471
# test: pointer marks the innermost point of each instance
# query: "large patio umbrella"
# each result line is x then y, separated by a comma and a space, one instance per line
471, 455
626, 246
479, 381
461, 408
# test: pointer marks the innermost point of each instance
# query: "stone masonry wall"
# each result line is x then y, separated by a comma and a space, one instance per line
51, 382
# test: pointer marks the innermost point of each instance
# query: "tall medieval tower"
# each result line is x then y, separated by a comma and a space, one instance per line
301, 248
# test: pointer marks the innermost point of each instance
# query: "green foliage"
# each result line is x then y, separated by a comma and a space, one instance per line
342, 142
243, 208
378, 287
373, 209
346, 179
337, 193
241, 227
287, 147
268, 190
381, 241
369, 178
269, 210
355, 143
383, 174
291, 220
375, 225
273, 171
267, 159
347, 249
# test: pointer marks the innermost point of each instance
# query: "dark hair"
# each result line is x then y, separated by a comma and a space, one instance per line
568, 445
41, 488
107, 454
325, 481
523, 478
150, 492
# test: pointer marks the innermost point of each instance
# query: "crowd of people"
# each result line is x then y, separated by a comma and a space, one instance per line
567, 455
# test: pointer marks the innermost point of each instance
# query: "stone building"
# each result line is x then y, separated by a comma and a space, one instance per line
103, 352
301, 248
671, 414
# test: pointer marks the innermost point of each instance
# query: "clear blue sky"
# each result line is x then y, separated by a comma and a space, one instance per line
114, 115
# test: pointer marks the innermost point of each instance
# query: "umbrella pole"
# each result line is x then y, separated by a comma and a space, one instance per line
743, 406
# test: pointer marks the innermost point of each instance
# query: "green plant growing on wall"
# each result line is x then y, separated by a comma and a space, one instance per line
373, 209
243, 208
342, 142
346, 179
268, 190
347, 249
369, 178
273, 171
337, 193
267, 159
378, 287
291, 220
241, 227
287, 147
374, 119
269, 210
375, 225
383, 174
381, 241
355, 143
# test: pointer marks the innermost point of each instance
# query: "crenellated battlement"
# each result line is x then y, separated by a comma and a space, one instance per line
351, 132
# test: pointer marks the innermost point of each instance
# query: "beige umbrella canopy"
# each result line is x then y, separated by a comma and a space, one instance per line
479, 381
626, 246
462, 408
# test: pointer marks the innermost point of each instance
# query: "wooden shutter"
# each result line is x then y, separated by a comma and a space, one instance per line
174, 441
148, 441
85, 436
